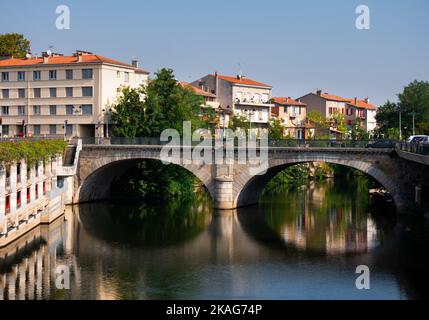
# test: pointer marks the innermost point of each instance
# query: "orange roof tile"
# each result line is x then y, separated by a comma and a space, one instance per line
198, 91
58, 60
361, 104
288, 101
332, 97
243, 81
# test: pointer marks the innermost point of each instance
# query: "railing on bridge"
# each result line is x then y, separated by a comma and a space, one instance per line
416, 147
273, 143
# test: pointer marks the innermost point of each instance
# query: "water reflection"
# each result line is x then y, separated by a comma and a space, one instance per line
328, 217
304, 244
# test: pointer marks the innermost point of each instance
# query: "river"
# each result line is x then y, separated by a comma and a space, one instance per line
299, 243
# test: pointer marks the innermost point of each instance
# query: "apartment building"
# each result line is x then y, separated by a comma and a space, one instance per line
243, 96
62, 95
293, 115
364, 110
210, 99
352, 108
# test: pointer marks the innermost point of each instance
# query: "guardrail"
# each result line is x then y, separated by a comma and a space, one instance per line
416, 147
275, 143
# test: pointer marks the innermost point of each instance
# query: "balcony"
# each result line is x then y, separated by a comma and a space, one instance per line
252, 102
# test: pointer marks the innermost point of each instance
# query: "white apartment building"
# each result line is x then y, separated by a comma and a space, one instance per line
62, 95
245, 97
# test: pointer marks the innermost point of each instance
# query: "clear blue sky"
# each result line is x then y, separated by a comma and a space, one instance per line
296, 46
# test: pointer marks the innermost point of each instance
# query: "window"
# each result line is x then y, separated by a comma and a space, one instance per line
87, 91
69, 109
21, 93
18, 199
118, 74
5, 76
37, 92
53, 92
127, 77
52, 75
69, 74
5, 110
28, 195
21, 76
53, 110
69, 92
52, 129
87, 109
5, 93
36, 129
86, 73
36, 75
36, 190
5, 130
21, 110
36, 110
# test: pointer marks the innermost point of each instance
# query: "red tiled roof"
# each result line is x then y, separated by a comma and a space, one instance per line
198, 91
243, 80
58, 60
288, 101
332, 97
361, 104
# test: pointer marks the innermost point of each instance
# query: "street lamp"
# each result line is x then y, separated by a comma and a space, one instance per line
106, 115
224, 112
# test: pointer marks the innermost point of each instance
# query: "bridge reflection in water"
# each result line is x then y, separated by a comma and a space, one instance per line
301, 246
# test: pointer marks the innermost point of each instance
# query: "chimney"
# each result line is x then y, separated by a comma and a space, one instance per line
135, 63
366, 100
216, 83
319, 92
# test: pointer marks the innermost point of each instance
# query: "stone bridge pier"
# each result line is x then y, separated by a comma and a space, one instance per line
236, 185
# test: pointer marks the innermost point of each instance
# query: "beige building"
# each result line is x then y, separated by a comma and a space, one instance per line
293, 115
352, 108
243, 96
56, 95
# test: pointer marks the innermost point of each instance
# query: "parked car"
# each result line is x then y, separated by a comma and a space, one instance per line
418, 138
384, 144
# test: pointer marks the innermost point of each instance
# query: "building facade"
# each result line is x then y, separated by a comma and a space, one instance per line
353, 109
62, 95
293, 116
244, 97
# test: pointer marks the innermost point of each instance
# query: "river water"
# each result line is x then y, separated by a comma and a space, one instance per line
299, 243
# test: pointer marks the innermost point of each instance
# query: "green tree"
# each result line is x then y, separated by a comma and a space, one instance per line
357, 131
275, 129
13, 45
413, 100
168, 104
240, 123
129, 114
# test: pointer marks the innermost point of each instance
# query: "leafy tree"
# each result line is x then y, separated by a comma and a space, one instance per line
275, 129
13, 44
358, 132
129, 114
168, 104
240, 123
413, 100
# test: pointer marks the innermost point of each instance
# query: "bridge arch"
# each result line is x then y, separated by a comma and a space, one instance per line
249, 188
96, 175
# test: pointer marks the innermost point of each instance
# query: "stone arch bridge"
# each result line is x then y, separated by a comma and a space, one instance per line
232, 186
